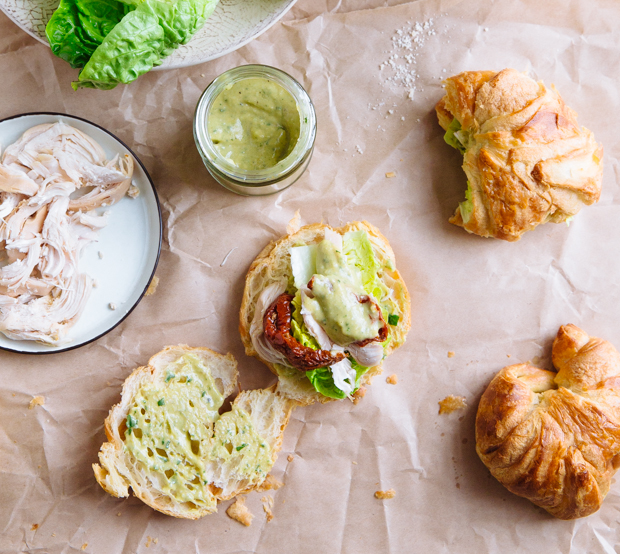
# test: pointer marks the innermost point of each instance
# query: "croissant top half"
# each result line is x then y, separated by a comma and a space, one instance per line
527, 160
554, 438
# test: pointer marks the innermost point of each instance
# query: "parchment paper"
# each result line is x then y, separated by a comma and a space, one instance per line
492, 303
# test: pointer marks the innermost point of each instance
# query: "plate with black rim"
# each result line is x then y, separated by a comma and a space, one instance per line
123, 260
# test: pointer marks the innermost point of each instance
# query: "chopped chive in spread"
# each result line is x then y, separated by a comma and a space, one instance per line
131, 423
160, 402
169, 376
393, 319
240, 447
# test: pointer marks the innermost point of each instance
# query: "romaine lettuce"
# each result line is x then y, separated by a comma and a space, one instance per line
323, 381
303, 264
78, 27
116, 42
453, 139
467, 206
298, 327
361, 258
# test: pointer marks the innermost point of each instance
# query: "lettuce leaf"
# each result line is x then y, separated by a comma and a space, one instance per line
298, 327
116, 42
361, 258
78, 27
451, 138
303, 264
323, 381
467, 206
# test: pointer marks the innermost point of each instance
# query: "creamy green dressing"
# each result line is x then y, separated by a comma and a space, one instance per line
336, 304
254, 123
174, 430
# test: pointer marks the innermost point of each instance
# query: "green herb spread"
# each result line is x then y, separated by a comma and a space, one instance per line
175, 431
254, 123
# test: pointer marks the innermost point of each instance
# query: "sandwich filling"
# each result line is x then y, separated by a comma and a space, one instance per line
459, 139
177, 437
331, 319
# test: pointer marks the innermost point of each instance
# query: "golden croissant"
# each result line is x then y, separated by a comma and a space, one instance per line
554, 438
526, 159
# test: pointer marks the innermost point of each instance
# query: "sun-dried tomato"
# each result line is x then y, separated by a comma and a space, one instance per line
277, 326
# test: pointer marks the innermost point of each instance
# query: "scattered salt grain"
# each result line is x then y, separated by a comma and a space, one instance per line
407, 43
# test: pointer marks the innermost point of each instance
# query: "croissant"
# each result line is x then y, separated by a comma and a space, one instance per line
526, 159
554, 438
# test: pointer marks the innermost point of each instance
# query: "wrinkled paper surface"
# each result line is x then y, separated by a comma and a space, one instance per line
490, 302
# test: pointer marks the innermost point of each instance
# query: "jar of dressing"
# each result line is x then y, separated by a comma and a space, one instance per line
254, 127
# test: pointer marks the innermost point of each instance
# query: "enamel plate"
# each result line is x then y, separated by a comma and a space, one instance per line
233, 24
122, 262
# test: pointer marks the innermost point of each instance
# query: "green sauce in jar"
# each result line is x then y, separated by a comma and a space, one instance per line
254, 123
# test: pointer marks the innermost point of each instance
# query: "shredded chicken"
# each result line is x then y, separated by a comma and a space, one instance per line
51, 182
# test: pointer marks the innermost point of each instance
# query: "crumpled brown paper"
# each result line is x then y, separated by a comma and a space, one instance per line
492, 303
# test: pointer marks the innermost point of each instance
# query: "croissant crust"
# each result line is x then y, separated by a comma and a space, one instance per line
527, 160
554, 438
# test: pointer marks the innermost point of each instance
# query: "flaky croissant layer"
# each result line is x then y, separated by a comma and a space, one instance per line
554, 438
526, 159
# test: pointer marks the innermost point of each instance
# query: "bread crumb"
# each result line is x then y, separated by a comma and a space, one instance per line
36, 401
133, 191
119, 514
13, 394
390, 174
507, 355
451, 403
359, 394
385, 495
150, 540
355, 463
152, 286
34, 527
84, 546
112, 306
53, 534
294, 224
239, 512
392, 379
290, 457
450, 354
271, 483
100, 254
155, 540
267, 505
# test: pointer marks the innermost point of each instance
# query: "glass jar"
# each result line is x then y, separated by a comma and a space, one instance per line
256, 182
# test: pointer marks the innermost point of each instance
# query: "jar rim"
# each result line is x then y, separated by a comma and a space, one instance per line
286, 166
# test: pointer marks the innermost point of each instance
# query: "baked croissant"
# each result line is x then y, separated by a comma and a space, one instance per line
527, 160
554, 438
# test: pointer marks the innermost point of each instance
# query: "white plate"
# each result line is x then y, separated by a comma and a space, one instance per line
233, 24
129, 244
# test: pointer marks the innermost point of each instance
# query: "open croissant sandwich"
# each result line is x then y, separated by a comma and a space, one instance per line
323, 307
171, 446
526, 159
554, 438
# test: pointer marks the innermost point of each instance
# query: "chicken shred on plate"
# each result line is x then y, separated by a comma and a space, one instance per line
52, 180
